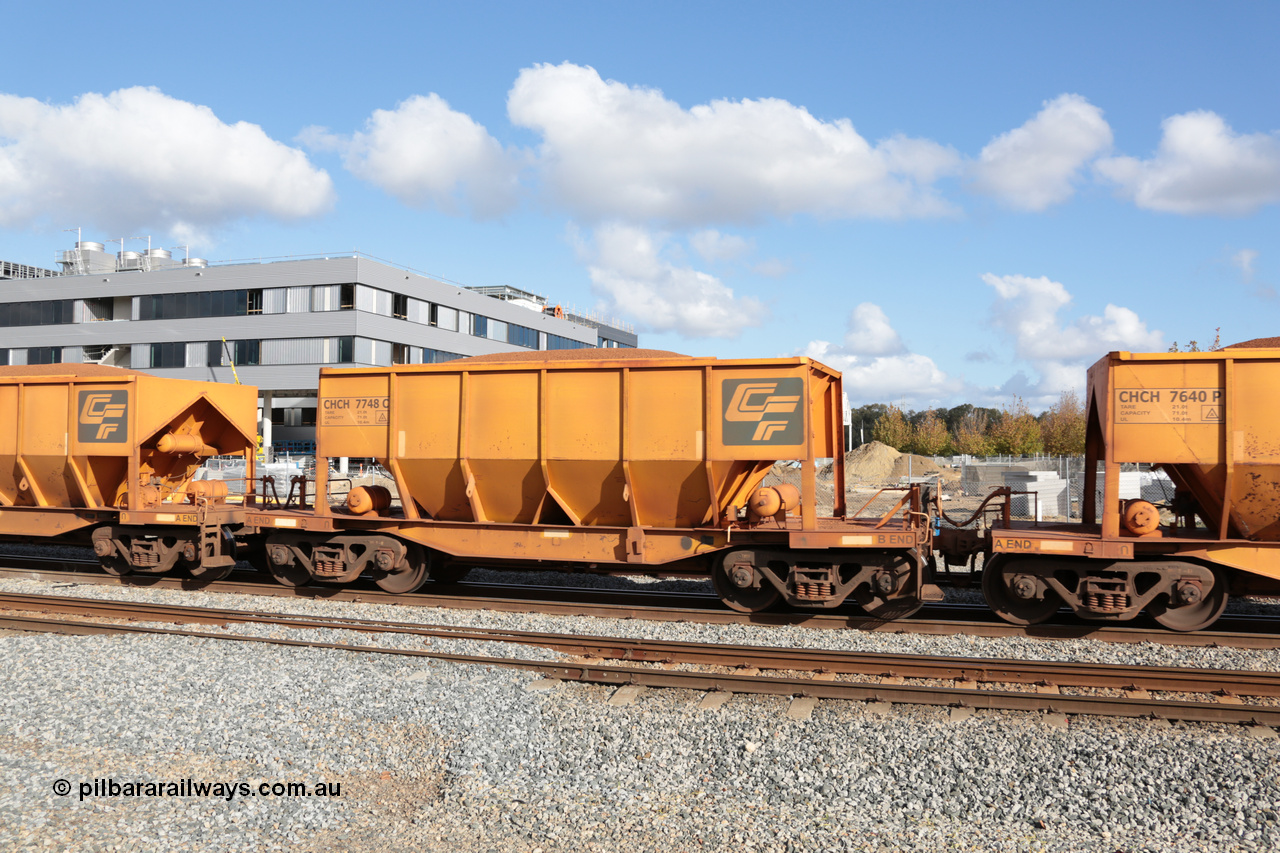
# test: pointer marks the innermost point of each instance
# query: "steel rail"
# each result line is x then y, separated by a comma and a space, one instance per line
938, 619
882, 664
720, 616
1126, 706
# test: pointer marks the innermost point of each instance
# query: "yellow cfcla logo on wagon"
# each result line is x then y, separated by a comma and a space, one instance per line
752, 401
98, 408
762, 411
744, 405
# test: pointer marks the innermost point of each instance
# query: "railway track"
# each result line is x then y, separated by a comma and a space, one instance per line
937, 619
966, 683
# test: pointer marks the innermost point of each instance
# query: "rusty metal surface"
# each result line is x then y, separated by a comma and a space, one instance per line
742, 683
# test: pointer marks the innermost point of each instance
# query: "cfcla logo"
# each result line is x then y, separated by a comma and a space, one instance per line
763, 411
103, 416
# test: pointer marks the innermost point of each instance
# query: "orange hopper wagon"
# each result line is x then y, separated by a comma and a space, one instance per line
1211, 422
107, 454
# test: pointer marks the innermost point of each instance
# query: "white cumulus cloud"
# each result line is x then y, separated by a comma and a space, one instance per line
1201, 166
630, 273
1027, 311
870, 332
611, 151
137, 158
426, 154
1038, 164
715, 246
876, 365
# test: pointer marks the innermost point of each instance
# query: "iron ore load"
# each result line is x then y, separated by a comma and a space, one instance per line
641, 461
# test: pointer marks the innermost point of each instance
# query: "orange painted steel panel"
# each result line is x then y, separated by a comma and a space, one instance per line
86, 436
588, 439
1211, 420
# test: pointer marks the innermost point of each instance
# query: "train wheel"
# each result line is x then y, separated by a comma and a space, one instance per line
732, 582
409, 575
1198, 609
284, 567
115, 565
997, 577
889, 609
209, 574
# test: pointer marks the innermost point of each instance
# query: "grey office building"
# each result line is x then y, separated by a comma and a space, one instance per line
271, 323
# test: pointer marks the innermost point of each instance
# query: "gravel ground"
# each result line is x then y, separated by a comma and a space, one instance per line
438, 756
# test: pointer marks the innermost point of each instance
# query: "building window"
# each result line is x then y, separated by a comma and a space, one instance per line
346, 349
557, 342
399, 353
210, 303
443, 317
400, 306
480, 326
169, 355
246, 352
522, 336
347, 297
44, 355
50, 313
4, 357
242, 353
435, 356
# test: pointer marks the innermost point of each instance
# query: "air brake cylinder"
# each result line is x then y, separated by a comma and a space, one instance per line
212, 490
363, 500
170, 443
1141, 517
769, 501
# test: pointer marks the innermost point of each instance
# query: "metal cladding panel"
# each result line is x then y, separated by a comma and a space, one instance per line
275, 300
586, 440
299, 299
326, 297
1211, 419
293, 351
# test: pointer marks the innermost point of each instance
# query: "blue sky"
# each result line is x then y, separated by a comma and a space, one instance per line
949, 202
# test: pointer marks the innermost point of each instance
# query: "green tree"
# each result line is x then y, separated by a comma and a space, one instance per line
1018, 432
970, 434
863, 420
929, 436
892, 429
1063, 426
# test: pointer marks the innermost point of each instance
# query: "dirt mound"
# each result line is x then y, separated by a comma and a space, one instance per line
872, 461
921, 466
